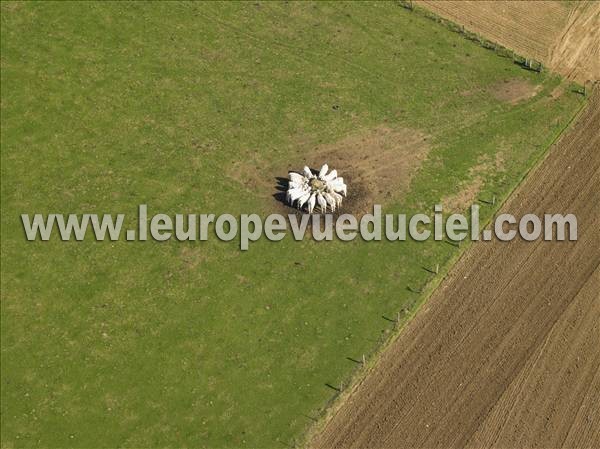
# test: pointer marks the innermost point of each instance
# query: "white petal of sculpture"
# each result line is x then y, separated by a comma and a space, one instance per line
322, 202
311, 202
323, 171
296, 178
331, 176
308, 189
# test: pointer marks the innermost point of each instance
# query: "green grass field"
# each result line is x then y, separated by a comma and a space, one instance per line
109, 105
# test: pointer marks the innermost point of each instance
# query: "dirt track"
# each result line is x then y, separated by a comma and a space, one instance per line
566, 37
506, 353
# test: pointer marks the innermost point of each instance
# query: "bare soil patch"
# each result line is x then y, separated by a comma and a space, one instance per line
465, 197
192, 257
467, 193
514, 90
376, 164
557, 92
504, 353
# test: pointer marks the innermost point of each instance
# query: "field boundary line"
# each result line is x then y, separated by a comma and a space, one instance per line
357, 378
526, 62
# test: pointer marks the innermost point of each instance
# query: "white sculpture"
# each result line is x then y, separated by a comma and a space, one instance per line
308, 189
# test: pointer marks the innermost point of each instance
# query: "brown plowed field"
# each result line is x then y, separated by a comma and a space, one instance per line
565, 36
506, 352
